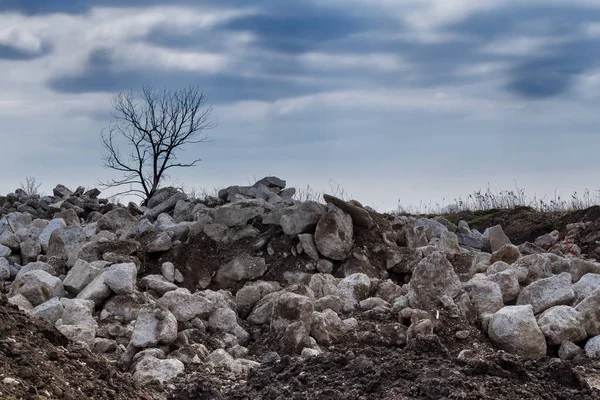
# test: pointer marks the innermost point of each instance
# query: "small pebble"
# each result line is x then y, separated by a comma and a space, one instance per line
462, 334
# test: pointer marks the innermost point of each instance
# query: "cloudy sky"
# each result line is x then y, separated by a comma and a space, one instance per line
392, 99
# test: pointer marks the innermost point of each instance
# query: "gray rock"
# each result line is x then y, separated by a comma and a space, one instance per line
241, 269
548, 292
123, 308
355, 288
157, 283
590, 309
77, 312
79, 333
303, 219
37, 286
225, 320
97, 291
37, 266
4, 269
324, 266
252, 292
372, 303
388, 291
323, 285
62, 191
569, 350
167, 269
238, 213
163, 206
432, 278
50, 310
585, 287
161, 243
121, 278
65, 243
592, 347
333, 235
508, 281
186, 306
470, 240
4, 251
537, 265
29, 251
486, 296
448, 243
150, 368
289, 308
119, 218
80, 276
308, 244
508, 253
433, 228
497, 238
579, 267
327, 328
562, 323
416, 237
153, 326
184, 211
515, 330
360, 216
547, 240
53, 225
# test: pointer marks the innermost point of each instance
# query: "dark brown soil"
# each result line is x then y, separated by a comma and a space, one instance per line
47, 365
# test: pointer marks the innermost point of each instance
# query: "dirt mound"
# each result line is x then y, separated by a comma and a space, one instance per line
38, 362
423, 370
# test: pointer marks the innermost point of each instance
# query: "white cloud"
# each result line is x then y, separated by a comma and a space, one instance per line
20, 39
522, 46
374, 61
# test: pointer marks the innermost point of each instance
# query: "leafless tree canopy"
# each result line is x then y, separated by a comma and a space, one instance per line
151, 127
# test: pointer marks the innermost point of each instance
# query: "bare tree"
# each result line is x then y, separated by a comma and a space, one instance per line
154, 125
31, 187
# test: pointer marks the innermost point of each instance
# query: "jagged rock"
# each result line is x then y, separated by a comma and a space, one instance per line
79, 333
402, 260
470, 240
119, 218
50, 310
167, 269
308, 244
530, 248
333, 235
514, 329
486, 296
327, 327
161, 243
10, 240
324, 266
97, 291
548, 292
508, 253
372, 303
590, 309
53, 225
186, 306
65, 243
508, 281
419, 329
154, 326
360, 216
585, 287
579, 267
323, 285
80, 276
4, 269
433, 228
77, 312
156, 208
499, 266
303, 218
238, 213
537, 265
37, 286
150, 368
497, 238
123, 308
241, 269
225, 320
29, 251
354, 288
416, 237
37, 266
592, 347
562, 323
448, 243
121, 278
569, 350
288, 308
157, 283
252, 292
359, 262
388, 291
432, 278
547, 240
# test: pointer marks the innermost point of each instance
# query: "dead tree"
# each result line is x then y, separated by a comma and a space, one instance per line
154, 126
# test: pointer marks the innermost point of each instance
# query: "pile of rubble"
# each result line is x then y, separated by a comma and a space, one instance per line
296, 277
